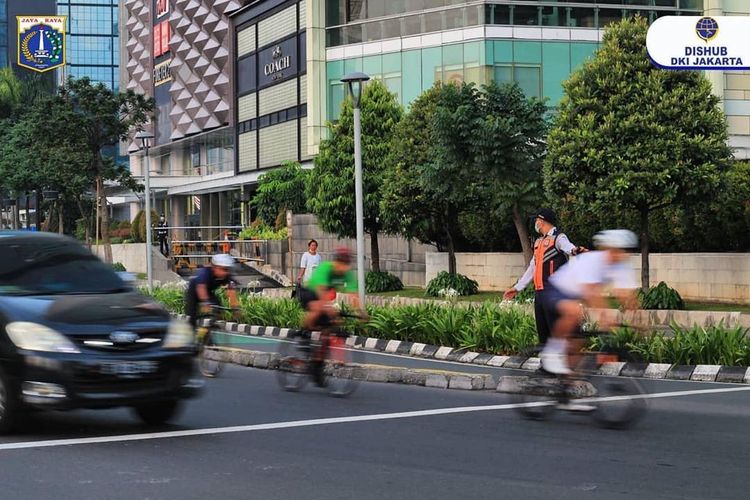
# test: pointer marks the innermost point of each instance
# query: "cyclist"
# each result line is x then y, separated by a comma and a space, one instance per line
201, 292
319, 293
583, 280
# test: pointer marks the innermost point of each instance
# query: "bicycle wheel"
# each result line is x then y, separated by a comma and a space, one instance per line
208, 359
293, 366
618, 405
538, 396
340, 377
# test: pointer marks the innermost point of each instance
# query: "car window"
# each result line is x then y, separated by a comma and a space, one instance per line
53, 267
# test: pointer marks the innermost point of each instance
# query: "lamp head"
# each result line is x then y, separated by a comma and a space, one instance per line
355, 82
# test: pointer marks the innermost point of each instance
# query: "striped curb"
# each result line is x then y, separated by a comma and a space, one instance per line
657, 371
365, 372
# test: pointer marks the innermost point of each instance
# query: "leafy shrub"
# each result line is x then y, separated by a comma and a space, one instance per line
661, 297
458, 282
376, 282
258, 230
138, 228
80, 230
525, 296
172, 298
118, 267
495, 329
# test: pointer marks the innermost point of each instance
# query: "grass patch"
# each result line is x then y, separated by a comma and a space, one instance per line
712, 306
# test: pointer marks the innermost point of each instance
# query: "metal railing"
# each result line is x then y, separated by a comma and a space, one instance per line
192, 252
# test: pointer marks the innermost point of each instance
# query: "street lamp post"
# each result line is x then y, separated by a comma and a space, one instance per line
355, 82
145, 138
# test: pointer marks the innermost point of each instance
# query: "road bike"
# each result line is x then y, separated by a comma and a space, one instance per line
613, 402
319, 358
209, 365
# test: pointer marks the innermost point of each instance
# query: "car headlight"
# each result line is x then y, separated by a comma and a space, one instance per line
180, 334
35, 337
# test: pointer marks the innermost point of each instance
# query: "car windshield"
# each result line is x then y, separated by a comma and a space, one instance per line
52, 267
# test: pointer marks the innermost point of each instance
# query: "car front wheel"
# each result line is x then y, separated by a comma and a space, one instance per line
8, 410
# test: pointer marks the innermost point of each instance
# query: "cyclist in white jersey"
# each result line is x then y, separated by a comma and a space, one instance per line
584, 280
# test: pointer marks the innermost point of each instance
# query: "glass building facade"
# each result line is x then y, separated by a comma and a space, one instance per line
92, 39
418, 42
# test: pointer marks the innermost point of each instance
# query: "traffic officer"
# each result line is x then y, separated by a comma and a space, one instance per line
551, 251
162, 231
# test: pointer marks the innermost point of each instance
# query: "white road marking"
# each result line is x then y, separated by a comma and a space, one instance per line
337, 420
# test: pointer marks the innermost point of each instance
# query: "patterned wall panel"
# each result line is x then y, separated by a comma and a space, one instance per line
248, 151
246, 41
140, 62
277, 26
279, 144
278, 97
246, 107
201, 65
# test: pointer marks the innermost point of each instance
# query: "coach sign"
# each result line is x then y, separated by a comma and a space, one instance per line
705, 43
277, 62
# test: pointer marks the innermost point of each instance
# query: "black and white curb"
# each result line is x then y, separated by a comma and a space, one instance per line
368, 373
657, 371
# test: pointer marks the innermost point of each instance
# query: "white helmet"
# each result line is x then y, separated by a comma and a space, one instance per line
616, 238
222, 260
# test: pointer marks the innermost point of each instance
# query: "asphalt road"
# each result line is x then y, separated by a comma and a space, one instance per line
688, 446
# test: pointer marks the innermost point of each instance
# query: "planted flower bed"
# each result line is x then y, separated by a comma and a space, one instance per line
495, 328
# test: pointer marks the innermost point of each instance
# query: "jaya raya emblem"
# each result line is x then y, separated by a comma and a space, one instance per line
41, 42
707, 28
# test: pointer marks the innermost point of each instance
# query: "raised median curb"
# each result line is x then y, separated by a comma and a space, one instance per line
366, 372
656, 371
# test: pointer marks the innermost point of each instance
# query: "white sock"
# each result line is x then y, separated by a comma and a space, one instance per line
554, 346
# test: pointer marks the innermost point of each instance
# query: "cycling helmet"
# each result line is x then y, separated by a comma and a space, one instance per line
222, 260
343, 255
616, 238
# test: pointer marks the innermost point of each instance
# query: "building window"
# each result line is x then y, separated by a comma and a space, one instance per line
525, 15
529, 79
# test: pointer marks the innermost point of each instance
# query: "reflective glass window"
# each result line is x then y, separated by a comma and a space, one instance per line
581, 17
529, 79
524, 15
609, 16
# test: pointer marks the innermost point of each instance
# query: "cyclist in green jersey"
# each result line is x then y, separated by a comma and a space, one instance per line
319, 293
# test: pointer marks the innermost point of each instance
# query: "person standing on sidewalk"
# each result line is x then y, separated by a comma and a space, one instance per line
310, 260
162, 232
551, 251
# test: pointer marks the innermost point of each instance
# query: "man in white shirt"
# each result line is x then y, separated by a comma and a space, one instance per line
310, 260
583, 281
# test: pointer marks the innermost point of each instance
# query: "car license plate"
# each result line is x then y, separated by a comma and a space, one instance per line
128, 369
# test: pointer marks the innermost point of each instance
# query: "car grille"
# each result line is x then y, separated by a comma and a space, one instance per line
90, 381
104, 343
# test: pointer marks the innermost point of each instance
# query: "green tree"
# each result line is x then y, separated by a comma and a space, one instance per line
633, 138
280, 190
101, 118
508, 146
330, 187
407, 208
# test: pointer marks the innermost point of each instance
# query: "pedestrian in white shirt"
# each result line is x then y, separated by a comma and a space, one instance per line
310, 260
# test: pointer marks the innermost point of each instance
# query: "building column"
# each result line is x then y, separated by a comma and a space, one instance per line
317, 86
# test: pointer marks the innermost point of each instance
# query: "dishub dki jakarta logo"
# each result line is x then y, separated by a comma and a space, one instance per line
707, 29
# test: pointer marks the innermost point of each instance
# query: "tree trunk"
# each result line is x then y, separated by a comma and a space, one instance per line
61, 217
523, 234
104, 214
645, 243
48, 220
451, 254
87, 221
28, 212
374, 252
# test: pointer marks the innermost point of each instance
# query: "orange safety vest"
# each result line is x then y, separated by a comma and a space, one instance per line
547, 259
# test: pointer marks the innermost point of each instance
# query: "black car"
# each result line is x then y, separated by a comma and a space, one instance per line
73, 334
